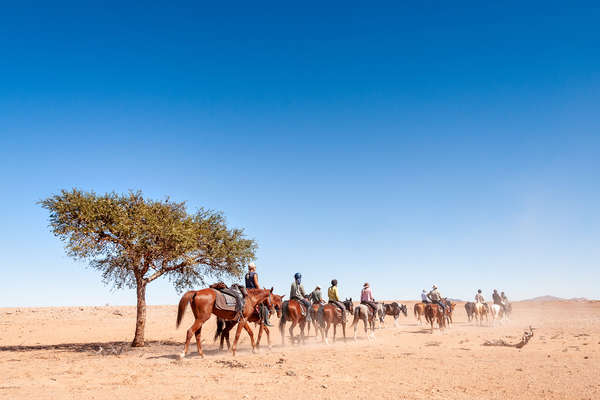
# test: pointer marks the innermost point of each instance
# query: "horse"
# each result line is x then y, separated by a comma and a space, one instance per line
470, 309
329, 314
394, 310
433, 312
449, 310
380, 315
419, 310
292, 311
364, 313
223, 327
481, 310
497, 313
314, 309
202, 303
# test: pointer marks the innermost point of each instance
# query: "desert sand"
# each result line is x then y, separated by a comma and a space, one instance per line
84, 353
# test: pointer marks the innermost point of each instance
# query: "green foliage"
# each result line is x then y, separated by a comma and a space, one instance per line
134, 241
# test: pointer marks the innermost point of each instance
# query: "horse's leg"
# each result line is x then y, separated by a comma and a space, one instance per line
302, 325
268, 337
251, 334
334, 330
292, 331
260, 331
241, 324
344, 330
328, 324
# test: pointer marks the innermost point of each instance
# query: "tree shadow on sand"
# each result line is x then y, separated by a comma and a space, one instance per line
100, 348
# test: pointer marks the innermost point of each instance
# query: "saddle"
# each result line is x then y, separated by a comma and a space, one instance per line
229, 299
303, 309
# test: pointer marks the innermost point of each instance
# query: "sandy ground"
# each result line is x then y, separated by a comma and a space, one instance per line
83, 353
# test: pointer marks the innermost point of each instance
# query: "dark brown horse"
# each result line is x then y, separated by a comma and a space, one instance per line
292, 311
470, 309
202, 303
329, 314
394, 310
433, 312
223, 327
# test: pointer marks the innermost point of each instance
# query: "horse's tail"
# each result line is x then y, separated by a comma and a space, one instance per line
321, 316
220, 328
185, 299
356, 316
415, 309
284, 314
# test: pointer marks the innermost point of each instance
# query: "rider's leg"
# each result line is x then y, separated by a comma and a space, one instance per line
265, 315
308, 307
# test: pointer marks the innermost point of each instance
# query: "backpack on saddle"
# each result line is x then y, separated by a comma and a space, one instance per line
230, 298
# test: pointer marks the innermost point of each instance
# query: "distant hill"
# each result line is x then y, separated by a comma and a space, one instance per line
554, 298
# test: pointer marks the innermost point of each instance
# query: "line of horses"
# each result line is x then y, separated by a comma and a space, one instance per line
323, 317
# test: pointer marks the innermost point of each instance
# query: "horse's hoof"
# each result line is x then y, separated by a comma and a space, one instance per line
326, 341
181, 355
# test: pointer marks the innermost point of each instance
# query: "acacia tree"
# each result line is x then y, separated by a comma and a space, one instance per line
134, 241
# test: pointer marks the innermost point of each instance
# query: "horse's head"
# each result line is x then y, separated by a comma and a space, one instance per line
277, 303
404, 310
269, 299
348, 304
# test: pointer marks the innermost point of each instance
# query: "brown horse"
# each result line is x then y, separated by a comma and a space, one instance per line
470, 309
329, 314
314, 309
292, 311
481, 310
202, 303
223, 327
449, 310
419, 310
433, 312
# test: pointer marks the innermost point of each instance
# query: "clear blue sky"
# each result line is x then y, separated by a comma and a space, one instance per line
456, 144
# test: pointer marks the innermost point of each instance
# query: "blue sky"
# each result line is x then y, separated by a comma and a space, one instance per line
405, 146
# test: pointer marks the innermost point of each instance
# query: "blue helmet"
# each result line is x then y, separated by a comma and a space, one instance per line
298, 275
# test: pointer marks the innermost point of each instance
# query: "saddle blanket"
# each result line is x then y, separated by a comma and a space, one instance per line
224, 301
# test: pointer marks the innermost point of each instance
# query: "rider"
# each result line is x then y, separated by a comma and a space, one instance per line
366, 297
504, 300
315, 296
435, 297
496, 298
252, 283
424, 298
297, 293
479, 297
334, 298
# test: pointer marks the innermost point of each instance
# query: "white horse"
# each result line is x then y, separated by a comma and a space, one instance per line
361, 312
498, 314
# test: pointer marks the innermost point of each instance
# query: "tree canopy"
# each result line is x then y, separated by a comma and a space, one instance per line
133, 240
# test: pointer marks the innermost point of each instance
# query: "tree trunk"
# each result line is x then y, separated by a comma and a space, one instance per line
140, 324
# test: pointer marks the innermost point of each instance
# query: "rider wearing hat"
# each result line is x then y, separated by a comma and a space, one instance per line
435, 297
334, 298
315, 296
297, 293
479, 297
366, 297
252, 283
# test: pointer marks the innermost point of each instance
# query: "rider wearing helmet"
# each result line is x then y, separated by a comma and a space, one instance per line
479, 297
435, 297
252, 283
297, 293
334, 298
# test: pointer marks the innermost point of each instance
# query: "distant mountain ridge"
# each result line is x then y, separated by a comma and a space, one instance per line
554, 298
